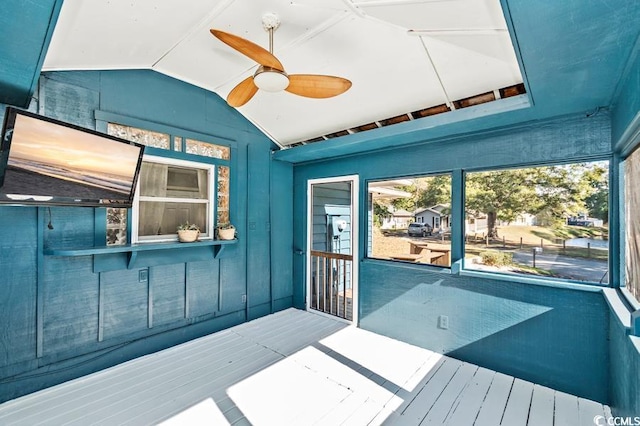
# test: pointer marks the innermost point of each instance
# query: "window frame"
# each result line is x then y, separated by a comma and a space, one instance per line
211, 200
458, 201
541, 280
369, 236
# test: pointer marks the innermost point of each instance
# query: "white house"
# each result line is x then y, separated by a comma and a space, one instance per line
437, 216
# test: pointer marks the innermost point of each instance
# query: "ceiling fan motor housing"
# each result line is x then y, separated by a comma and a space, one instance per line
270, 79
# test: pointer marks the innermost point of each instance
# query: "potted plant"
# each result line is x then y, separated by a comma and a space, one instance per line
226, 231
188, 232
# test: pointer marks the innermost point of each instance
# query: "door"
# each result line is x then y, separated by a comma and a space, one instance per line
332, 243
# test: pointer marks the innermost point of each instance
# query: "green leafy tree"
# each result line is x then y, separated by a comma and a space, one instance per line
408, 204
435, 190
501, 195
380, 212
597, 199
552, 193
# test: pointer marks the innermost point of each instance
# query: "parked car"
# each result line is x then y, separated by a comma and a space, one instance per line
419, 229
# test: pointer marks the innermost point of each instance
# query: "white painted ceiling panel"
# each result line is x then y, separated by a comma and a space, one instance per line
386, 82
112, 34
460, 47
459, 15
471, 64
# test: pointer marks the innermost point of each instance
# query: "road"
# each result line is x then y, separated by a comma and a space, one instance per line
575, 268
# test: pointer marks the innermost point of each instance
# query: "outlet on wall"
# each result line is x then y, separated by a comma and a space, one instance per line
443, 322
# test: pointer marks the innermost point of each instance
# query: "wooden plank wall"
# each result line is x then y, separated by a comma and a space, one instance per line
58, 313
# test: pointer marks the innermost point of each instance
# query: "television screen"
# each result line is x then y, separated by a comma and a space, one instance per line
46, 161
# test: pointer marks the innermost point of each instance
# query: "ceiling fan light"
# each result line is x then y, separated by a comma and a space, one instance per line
271, 79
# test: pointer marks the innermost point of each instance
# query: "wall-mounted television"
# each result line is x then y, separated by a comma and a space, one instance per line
45, 161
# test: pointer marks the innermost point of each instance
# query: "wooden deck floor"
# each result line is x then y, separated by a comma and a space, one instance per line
298, 368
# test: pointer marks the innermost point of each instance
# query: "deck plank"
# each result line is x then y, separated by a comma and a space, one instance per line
566, 409
542, 406
450, 397
588, 410
495, 402
467, 407
429, 394
297, 367
516, 412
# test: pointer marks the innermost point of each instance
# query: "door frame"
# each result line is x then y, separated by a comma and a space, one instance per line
355, 239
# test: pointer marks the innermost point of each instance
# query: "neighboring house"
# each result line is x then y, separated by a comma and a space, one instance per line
398, 219
477, 224
474, 224
524, 219
437, 216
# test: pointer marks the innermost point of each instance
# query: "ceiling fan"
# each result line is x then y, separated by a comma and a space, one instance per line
270, 75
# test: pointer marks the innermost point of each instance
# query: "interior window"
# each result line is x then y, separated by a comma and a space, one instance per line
410, 219
172, 192
179, 197
547, 221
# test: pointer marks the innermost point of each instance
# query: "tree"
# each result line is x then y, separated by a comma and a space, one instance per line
501, 195
380, 212
597, 200
434, 190
552, 192
408, 204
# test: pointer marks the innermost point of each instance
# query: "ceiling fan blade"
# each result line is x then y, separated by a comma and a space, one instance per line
247, 48
317, 86
242, 93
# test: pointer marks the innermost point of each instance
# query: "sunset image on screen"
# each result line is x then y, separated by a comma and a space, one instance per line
45, 153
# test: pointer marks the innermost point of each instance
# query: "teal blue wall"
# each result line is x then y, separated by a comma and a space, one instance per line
539, 333
625, 349
626, 105
26, 27
624, 370
60, 319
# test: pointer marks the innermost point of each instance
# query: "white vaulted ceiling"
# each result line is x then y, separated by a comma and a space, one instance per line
401, 55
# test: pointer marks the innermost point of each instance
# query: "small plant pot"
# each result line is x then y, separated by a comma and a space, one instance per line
226, 234
188, 235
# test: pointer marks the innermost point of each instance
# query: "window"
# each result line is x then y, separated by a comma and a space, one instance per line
223, 195
179, 197
539, 221
632, 223
206, 149
410, 219
171, 192
141, 136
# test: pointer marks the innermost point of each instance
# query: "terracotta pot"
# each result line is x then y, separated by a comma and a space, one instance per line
188, 235
226, 234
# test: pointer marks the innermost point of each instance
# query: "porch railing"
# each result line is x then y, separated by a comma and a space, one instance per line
331, 289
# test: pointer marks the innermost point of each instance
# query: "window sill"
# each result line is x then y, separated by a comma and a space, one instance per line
406, 264
545, 282
131, 256
618, 307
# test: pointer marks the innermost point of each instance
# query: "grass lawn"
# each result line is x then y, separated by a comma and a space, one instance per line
388, 242
550, 239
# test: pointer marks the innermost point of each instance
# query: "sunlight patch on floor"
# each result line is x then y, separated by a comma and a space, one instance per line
204, 413
351, 376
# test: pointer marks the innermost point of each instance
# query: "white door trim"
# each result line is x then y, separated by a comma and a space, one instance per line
355, 237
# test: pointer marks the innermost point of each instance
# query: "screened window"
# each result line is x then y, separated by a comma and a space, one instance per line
410, 219
539, 221
632, 223
170, 193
